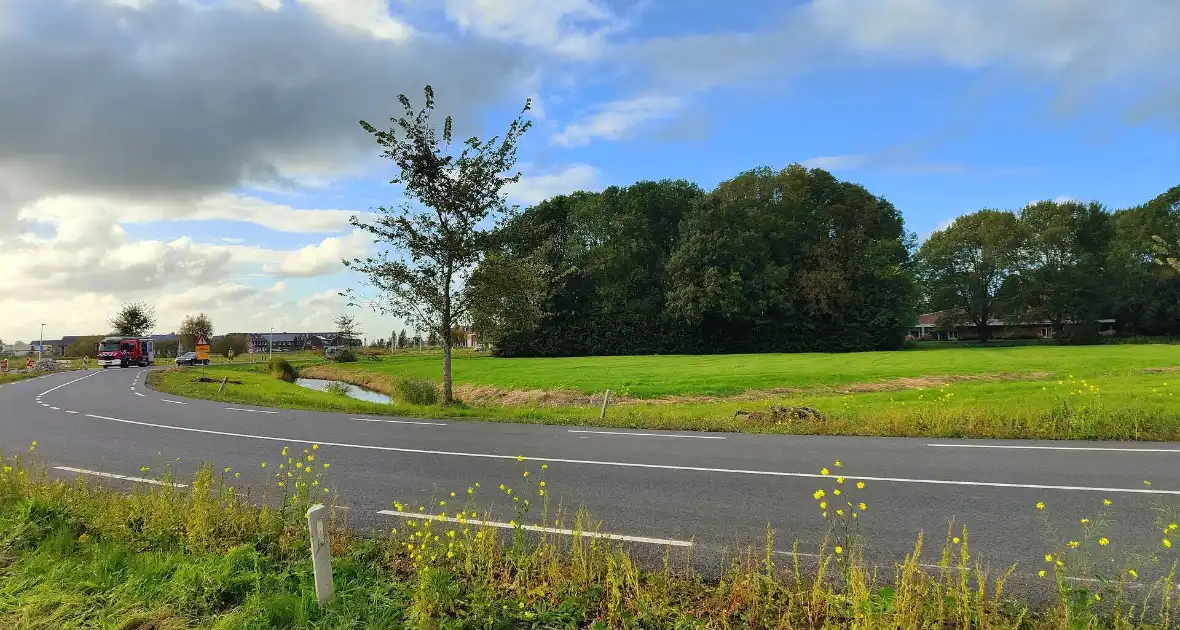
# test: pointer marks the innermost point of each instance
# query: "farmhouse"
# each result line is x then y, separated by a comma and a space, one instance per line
942, 326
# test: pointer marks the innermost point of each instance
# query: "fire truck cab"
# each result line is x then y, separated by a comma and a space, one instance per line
125, 352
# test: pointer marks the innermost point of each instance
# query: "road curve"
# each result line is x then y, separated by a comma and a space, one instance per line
719, 491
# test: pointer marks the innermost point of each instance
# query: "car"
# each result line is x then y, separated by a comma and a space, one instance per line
188, 358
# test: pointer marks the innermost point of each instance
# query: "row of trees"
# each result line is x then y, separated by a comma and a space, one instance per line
1057, 262
771, 261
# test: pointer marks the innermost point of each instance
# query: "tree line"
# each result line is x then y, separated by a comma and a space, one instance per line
1062, 263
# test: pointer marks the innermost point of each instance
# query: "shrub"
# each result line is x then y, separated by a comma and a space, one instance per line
338, 388
282, 370
344, 356
417, 391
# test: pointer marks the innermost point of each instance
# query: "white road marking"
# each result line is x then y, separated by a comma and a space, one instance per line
138, 394
538, 528
656, 435
70, 411
431, 424
132, 388
96, 473
250, 410
175, 402
587, 462
66, 383
1018, 447
56, 408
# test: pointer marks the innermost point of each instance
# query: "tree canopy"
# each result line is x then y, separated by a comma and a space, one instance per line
134, 319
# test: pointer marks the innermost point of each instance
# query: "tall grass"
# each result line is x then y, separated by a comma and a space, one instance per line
76, 554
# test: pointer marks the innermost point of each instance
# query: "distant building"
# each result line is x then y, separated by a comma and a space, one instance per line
934, 327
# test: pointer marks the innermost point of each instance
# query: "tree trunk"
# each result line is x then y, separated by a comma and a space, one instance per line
448, 397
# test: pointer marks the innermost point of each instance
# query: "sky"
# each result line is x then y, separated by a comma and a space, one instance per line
205, 155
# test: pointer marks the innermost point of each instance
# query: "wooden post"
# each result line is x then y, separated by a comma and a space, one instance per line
223, 380
605, 400
321, 552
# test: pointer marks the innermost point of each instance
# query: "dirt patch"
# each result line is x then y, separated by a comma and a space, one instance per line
1162, 370
489, 395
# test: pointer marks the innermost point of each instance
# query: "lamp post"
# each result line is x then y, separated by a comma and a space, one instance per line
270, 345
41, 344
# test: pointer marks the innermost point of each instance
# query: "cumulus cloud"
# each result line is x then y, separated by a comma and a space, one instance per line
322, 258
574, 28
537, 187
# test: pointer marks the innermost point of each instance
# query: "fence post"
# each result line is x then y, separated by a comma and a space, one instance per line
605, 400
321, 553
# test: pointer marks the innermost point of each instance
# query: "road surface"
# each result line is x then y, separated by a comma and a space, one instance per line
717, 491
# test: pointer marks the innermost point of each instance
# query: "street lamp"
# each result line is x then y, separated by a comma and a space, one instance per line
271, 344
41, 346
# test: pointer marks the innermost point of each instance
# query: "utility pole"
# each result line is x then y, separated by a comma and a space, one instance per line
41, 344
270, 345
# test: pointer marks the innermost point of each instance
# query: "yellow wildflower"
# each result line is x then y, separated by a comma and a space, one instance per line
839, 550
839, 480
1041, 573
862, 507
823, 471
819, 494
838, 464
1167, 543
1106, 502
1040, 505
1133, 573
1085, 521
860, 485
1073, 544
1104, 541
1048, 557
955, 540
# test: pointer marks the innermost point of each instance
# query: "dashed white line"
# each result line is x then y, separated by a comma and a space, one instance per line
56, 408
138, 394
587, 462
175, 402
656, 435
1018, 447
429, 424
250, 410
538, 528
132, 388
96, 473
70, 411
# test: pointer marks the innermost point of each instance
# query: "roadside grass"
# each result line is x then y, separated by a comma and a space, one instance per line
12, 377
78, 554
729, 375
1144, 406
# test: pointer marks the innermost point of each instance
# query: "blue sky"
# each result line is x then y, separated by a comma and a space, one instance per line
214, 145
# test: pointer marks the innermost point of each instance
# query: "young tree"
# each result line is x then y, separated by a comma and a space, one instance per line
346, 327
192, 326
134, 319
431, 339
402, 339
436, 244
964, 267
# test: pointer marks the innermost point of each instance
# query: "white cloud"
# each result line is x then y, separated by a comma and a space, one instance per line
619, 119
66, 209
366, 16
321, 259
535, 188
572, 28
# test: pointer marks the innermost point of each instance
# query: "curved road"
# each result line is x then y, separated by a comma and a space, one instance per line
718, 490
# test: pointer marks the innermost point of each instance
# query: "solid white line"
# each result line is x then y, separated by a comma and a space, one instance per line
1059, 448
537, 528
432, 424
83, 471
657, 435
250, 410
586, 462
175, 402
138, 394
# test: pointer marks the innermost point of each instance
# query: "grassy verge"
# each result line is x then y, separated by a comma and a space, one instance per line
80, 555
1139, 406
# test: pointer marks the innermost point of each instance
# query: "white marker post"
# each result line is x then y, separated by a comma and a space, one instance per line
321, 554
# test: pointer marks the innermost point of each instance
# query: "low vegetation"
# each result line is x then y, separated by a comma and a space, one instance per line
1116, 392
283, 370
77, 554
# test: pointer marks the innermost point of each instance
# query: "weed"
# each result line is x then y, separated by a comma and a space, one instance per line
416, 391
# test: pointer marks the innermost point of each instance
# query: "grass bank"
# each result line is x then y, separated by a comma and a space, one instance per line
1129, 406
74, 554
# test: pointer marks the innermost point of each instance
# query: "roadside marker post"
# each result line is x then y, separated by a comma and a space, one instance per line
321, 553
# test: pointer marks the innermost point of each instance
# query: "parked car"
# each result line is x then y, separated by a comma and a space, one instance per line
188, 358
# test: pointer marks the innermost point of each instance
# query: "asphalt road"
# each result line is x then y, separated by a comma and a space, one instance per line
718, 491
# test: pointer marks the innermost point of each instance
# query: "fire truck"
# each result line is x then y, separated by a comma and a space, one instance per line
125, 352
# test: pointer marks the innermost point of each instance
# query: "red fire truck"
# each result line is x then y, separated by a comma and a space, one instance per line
126, 351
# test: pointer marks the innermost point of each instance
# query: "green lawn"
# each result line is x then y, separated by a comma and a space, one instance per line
726, 375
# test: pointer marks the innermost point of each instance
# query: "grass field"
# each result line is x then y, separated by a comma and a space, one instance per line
1045, 392
79, 554
728, 375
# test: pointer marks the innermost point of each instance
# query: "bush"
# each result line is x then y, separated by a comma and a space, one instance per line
338, 388
345, 356
417, 391
282, 370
